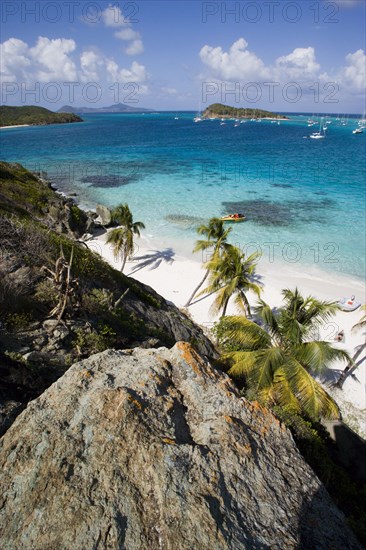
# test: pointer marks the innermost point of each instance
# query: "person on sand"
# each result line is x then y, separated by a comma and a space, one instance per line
340, 336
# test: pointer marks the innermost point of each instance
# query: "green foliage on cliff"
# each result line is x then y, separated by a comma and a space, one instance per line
30, 247
225, 111
34, 116
21, 192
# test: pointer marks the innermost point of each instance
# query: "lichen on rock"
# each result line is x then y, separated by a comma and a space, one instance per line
144, 449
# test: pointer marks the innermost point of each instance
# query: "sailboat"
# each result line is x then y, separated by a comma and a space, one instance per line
361, 126
321, 133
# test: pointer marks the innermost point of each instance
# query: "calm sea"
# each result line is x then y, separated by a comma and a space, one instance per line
304, 199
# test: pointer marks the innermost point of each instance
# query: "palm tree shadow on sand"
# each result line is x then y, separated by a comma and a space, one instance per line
153, 260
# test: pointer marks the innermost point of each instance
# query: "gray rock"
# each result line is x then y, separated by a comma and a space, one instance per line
104, 214
149, 449
61, 332
50, 324
34, 357
45, 357
9, 410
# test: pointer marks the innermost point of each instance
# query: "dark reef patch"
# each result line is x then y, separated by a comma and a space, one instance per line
268, 213
283, 185
108, 181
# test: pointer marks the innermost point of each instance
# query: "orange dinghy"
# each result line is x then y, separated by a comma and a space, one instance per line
233, 218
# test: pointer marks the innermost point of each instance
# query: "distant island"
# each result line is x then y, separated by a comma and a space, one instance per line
218, 110
116, 108
33, 116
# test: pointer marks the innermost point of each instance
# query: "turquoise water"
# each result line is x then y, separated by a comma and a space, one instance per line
304, 199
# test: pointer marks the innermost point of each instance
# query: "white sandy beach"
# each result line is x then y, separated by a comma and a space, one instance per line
175, 274
14, 126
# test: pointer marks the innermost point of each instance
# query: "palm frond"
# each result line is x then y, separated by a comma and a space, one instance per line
317, 355
313, 399
244, 333
362, 322
242, 363
282, 391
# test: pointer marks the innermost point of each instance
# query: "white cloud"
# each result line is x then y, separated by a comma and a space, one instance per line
237, 63
136, 46
13, 59
353, 75
91, 64
56, 60
127, 34
136, 73
300, 63
52, 59
239, 66
113, 17
47, 61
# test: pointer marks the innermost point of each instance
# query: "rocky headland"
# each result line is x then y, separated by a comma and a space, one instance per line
118, 430
142, 449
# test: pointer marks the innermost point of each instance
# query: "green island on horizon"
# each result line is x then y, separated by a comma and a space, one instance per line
31, 115
218, 110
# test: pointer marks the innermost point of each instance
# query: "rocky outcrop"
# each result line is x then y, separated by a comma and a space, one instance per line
104, 214
149, 449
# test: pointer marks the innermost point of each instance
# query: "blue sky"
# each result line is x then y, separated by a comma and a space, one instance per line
172, 55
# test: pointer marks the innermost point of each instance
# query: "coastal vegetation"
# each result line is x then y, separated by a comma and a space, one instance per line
213, 244
356, 361
33, 116
277, 356
218, 110
122, 237
59, 301
232, 275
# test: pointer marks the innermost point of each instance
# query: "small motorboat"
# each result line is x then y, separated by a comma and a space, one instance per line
348, 304
233, 218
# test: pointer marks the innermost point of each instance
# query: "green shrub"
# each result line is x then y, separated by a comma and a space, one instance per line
87, 343
18, 321
46, 292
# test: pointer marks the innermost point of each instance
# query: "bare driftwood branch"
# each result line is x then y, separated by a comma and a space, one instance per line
67, 287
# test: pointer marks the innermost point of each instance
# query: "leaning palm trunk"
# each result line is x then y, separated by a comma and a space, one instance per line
350, 369
226, 303
197, 289
125, 257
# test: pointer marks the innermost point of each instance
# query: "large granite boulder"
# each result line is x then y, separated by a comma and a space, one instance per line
148, 449
104, 214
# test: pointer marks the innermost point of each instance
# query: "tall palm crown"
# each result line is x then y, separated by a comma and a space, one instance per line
277, 359
215, 239
232, 274
121, 238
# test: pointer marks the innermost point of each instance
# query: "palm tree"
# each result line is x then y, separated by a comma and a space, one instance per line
216, 238
122, 237
352, 365
277, 359
232, 274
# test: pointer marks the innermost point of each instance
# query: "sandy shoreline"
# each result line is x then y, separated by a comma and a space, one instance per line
14, 126
174, 273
